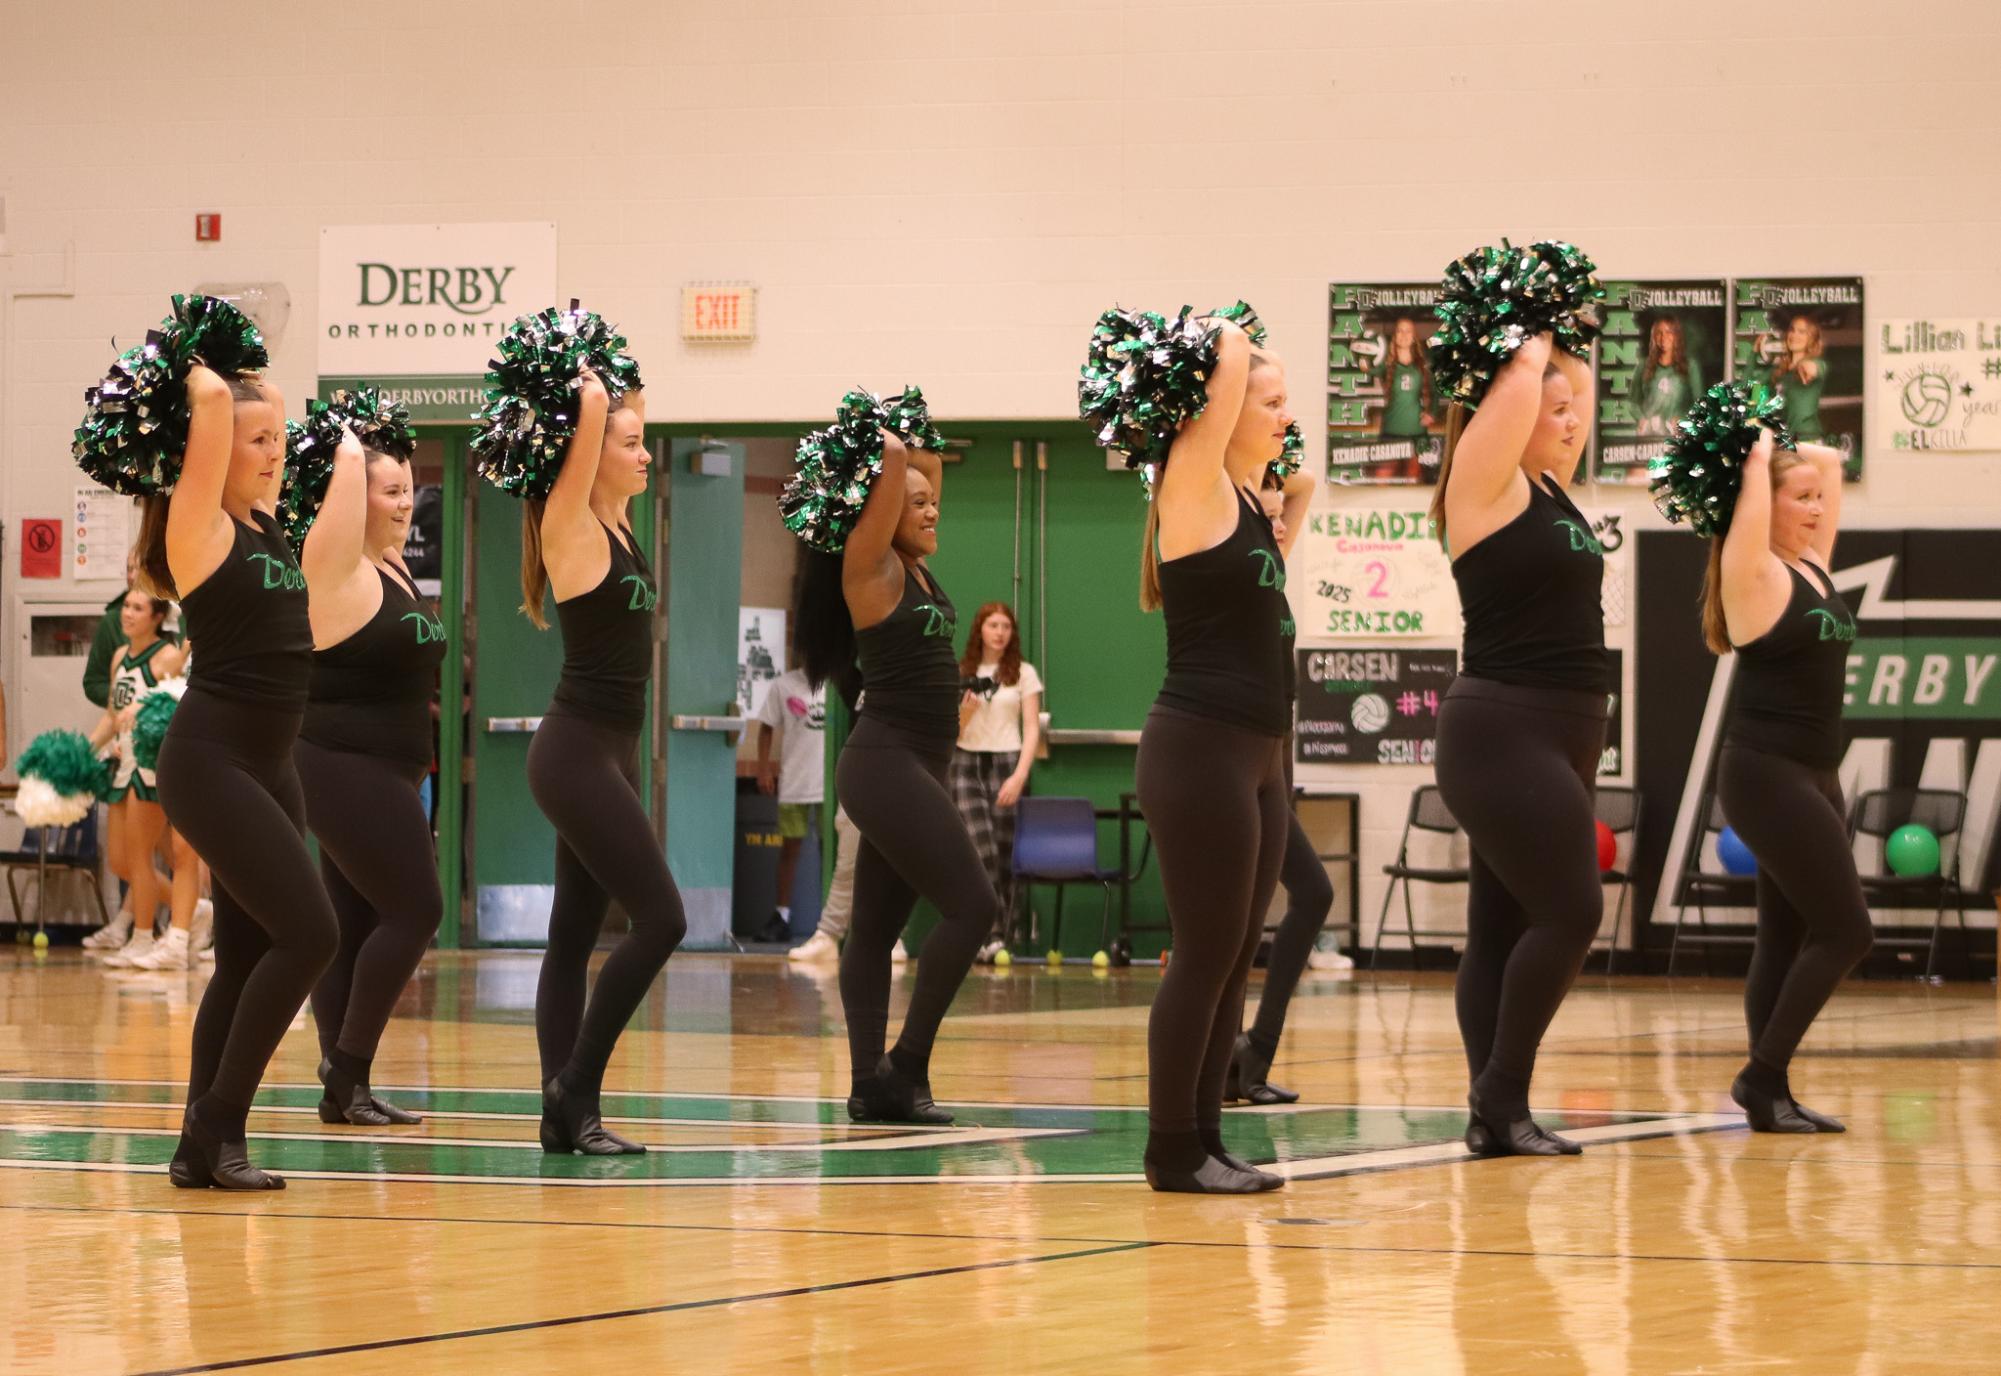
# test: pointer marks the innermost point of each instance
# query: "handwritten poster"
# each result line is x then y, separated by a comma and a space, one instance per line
1372, 571
1371, 705
1938, 385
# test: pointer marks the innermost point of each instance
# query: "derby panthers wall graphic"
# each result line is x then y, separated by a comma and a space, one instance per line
1923, 702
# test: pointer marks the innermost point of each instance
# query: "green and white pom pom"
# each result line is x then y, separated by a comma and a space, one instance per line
1144, 375
1293, 455
837, 466
532, 388
381, 427
1497, 298
135, 422
61, 778
149, 723
1697, 479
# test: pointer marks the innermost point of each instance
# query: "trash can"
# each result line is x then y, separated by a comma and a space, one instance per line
755, 881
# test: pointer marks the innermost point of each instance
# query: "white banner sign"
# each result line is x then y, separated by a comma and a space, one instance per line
1937, 385
1376, 571
427, 301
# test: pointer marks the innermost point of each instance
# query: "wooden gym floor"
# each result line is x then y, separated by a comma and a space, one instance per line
764, 1234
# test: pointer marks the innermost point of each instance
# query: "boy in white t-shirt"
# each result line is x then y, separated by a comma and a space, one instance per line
797, 713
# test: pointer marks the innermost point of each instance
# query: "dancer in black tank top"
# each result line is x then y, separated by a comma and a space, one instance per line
583, 768
1309, 894
1211, 767
1770, 596
872, 618
225, 770
362, 754
1522, 726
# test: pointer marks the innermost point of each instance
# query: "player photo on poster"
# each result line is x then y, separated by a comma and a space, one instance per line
1664, 342
1385, 419
1802, 337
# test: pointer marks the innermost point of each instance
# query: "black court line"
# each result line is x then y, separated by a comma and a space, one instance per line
643, 1311
1098, 1245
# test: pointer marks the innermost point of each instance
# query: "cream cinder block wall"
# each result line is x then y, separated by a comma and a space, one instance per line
948, 191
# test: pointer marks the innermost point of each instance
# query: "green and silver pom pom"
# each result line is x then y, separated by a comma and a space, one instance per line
61, 778
1697, 479
1246, 316
380, 426
532, 385
135, 422
837, 466
1497, 298
149, 723
1293, 455
1144, 375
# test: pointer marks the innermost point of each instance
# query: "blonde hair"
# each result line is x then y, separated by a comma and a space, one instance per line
1149, 554
1715, 630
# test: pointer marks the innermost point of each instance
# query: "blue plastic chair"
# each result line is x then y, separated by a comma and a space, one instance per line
69, 848
1056, 842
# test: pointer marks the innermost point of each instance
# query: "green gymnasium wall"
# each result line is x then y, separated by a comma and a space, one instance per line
1101, 658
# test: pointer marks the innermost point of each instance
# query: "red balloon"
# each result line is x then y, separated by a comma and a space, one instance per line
1608, 847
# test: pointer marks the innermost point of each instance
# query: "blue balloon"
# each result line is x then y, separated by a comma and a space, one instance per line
1735, 855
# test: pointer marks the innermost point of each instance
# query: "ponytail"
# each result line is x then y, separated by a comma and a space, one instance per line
534, 573
150, 552
1715, 630
1455, 426
823, 629
1149, 559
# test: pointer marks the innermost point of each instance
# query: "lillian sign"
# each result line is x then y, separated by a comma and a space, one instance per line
417, 309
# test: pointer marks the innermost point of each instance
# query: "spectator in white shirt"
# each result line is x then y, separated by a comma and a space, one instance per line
1000, 721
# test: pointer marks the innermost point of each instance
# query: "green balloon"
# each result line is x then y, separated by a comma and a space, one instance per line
1912, 850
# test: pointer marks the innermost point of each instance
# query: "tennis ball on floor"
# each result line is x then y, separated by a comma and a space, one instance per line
1002, 959
1055, 957
1101, 961
41, 941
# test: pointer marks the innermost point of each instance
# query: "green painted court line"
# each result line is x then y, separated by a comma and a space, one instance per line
1005, 1145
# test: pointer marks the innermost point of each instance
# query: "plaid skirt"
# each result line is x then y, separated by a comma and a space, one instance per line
977, 776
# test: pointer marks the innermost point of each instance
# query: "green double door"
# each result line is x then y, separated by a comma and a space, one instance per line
691, 524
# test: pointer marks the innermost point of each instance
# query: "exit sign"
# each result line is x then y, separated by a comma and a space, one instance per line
714, 312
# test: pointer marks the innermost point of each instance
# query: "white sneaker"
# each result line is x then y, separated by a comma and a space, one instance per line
112, 936
897, 955
1329, 960
206, 955
140, 945
170, 952
201, 934
818, 946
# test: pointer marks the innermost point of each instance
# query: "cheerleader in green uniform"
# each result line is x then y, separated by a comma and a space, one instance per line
1669, 381
136, 668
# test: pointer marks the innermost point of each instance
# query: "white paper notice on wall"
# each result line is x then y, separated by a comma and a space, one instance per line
1371, 571
1937, 386
100, 534
760, 655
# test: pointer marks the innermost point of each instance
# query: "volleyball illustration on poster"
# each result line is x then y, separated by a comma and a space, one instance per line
1803, 338
1663, 343
1385, 418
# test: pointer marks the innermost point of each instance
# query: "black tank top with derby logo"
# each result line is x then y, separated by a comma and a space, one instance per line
1790, 681
608, 641
371, 693
1230, 629
910, 670
248, 619
1530, 597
